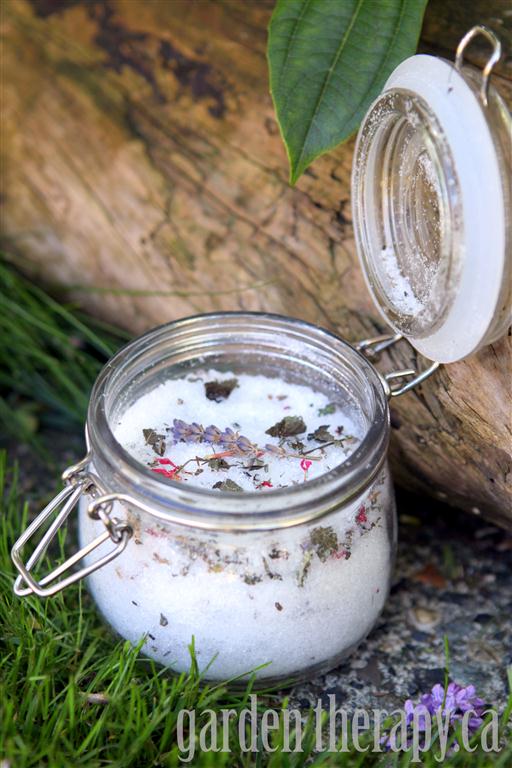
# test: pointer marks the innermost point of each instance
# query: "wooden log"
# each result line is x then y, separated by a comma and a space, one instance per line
143, 169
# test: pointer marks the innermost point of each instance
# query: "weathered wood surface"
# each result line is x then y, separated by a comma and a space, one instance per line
141, 153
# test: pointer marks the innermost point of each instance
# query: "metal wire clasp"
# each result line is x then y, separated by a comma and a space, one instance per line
492, 60
77, 482
371, 348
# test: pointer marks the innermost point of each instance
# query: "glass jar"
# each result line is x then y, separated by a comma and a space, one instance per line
295, 578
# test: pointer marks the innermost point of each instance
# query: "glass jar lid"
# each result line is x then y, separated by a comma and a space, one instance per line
430, 196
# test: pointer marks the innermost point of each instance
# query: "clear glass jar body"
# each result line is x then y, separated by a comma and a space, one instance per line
293, 578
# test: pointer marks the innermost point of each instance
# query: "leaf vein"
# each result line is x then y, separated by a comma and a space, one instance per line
341, 47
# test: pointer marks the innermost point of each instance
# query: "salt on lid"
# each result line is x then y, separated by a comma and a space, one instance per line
430, 190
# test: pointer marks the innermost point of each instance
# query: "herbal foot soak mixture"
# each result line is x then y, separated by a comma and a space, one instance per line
298, 597
237, 433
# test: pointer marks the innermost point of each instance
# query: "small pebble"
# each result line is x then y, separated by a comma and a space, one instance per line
424, 619
97, 698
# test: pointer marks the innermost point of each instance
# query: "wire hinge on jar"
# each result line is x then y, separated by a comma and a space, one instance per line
77, 482
371, 349
492, 60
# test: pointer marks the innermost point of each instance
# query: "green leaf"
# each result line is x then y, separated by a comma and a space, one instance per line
328, 60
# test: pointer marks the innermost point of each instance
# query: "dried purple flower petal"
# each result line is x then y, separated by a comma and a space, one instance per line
277, 450
212, 434
227, 440
196, 433
180, 430
244, 445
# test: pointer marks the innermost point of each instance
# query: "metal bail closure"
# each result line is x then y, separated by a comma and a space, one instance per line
118, 532
371, 349
491, 61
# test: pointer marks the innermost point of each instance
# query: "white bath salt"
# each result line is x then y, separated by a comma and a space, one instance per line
397, 286
299, 597
429, 172
237, 433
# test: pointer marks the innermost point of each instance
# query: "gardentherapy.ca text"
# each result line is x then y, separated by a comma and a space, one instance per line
333, 730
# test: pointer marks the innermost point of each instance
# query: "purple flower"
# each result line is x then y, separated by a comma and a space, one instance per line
457, 701
197, 433
180, 430
244, 445
277, 450
187, 433
212, 434
418, 710
452, 704
229, 440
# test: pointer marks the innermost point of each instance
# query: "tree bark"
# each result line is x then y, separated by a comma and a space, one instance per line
144, 171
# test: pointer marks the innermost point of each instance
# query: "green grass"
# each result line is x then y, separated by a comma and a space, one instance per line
70, 693
50, 356
57, 655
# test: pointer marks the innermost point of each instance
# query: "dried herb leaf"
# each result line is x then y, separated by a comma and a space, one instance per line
220, 390
252, 578
287, 427
217, 464
227, 485
329, 408
324, 541
276, 553
156, 441
304, 568
271, 574
297, 445
254, 464
321, 434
